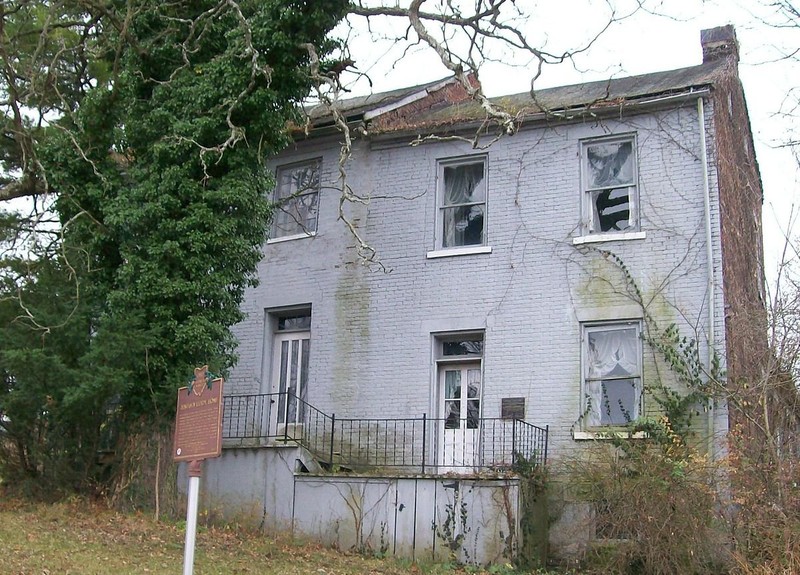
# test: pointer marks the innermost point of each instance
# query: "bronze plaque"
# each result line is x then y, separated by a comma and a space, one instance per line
198, 419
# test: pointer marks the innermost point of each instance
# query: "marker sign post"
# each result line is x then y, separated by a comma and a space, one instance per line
198, 436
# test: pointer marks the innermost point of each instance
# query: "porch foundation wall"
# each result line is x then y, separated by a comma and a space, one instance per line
430, 518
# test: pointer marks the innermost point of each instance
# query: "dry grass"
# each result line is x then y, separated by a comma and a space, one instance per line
79, 537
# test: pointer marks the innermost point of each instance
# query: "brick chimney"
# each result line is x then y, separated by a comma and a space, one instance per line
718, 43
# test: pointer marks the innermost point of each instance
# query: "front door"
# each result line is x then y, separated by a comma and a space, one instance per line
460, 391
290, 381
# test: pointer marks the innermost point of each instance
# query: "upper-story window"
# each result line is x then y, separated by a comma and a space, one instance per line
461, 203
296, 200
610, 185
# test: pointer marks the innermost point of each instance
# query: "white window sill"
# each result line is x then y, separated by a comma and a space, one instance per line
465, 251
610, 434
592, 238
290, 238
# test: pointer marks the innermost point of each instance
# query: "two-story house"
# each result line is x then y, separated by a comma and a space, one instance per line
508, 316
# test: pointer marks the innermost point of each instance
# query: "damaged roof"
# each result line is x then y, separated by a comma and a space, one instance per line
437, 104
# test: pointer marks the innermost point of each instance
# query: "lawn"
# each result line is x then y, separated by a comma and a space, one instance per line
79, 537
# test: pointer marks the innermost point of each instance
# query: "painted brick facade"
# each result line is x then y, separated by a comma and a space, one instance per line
373, 331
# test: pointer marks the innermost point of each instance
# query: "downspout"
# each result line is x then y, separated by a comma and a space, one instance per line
710, 338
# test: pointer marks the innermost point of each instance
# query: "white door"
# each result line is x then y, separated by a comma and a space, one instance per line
460, 392
290, 381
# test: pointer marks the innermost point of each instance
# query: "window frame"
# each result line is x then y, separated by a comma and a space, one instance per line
440, 249
637, 408
280, 200
633, 231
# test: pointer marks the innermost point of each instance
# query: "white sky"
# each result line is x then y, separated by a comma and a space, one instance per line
641, 44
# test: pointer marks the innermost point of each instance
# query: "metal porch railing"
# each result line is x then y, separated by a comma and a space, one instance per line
413, 444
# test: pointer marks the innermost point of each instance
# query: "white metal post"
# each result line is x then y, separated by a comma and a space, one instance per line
195, 471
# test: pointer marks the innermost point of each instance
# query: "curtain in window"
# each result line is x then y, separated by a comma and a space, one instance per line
463, 225
612, 353
610, 165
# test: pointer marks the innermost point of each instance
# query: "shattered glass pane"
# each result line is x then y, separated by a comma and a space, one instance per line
612, 210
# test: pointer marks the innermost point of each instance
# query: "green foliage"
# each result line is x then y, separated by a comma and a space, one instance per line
532, 550
700, 383
454, 529
164, 203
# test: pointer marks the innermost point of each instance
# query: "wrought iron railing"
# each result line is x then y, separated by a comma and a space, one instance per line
414, 444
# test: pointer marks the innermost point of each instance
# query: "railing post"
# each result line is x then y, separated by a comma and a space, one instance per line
513, 442
286, 419
333, 432
546, 438
424, 439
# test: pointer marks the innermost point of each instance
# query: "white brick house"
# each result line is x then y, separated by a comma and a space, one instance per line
519, 282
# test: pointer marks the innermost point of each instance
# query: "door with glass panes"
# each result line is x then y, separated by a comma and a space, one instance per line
291, 352
460, 401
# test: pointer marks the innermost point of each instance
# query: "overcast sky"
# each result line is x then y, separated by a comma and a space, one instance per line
640, 44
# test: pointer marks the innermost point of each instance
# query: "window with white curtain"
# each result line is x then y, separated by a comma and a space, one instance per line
461, 202
296, 199
612, 373
610, 185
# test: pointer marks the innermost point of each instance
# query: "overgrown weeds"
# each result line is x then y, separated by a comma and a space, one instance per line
654, 508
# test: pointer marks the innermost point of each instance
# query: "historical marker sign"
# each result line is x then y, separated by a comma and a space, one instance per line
198, 420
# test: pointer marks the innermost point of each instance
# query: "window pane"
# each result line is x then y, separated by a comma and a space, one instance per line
303, 392
473, 383
611, 209
297, 180
463, 347
462, 226
282, 383
613, 353
618, 405
452, 384
464, 184
296, 197
609, 164
473, 413
296, 215
453, 417
294, 323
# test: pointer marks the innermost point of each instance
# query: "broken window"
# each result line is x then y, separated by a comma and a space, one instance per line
610, 185
612, 383
296, 198
462, 204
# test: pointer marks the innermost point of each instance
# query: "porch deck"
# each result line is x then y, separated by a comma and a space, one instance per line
412, 445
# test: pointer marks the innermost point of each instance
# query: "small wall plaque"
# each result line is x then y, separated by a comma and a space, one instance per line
512, 408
